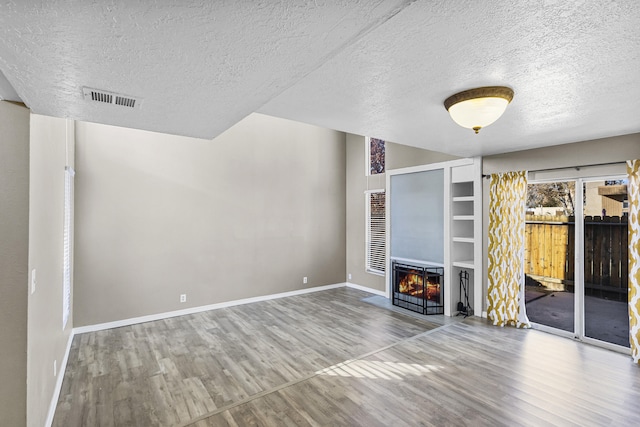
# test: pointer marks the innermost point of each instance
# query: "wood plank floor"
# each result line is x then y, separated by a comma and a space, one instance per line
332, 359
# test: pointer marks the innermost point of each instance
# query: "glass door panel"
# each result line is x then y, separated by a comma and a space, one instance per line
605, 288
549, 254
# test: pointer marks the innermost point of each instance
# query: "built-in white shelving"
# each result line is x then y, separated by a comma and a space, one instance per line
465, 232
457, 227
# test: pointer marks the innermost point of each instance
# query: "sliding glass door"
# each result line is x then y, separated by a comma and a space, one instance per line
605, 278
566, 228
549, 254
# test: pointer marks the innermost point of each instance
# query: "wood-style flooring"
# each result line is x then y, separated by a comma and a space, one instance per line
333, 359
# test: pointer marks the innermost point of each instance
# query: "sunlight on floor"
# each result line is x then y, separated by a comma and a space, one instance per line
377, 369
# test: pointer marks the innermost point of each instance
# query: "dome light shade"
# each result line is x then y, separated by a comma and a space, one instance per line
477, 108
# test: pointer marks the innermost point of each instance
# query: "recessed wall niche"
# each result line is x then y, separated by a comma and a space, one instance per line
417, 216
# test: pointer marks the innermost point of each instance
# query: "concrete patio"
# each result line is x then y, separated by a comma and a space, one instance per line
605, 320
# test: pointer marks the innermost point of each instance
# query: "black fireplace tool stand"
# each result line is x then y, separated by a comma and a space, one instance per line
464, 307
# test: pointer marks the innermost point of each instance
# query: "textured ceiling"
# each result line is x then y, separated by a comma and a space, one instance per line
379, 68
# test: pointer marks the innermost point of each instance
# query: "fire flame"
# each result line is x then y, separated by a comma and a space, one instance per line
411, 284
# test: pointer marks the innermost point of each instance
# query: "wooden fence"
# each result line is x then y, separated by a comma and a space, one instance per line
549, 253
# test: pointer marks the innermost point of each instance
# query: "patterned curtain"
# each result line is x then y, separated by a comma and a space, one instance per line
507, 200
633, 190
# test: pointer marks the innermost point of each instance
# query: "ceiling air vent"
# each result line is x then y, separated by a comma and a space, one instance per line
103, 96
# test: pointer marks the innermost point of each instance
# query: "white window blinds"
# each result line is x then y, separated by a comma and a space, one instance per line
376, 232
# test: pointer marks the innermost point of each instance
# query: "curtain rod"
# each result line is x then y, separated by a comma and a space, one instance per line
568, 167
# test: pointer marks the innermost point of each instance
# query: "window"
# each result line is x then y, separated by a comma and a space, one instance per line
375, 156
376, 232
66, 272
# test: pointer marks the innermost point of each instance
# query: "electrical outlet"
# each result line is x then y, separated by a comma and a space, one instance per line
55, 368
349, 276
33, 281
183, 297
304, 279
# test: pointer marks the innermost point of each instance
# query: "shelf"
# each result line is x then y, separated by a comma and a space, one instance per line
464, 264
462, 189
464, 239
462, 209
463, 199
463, 218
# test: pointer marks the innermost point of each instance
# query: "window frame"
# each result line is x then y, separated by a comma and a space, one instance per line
67, 245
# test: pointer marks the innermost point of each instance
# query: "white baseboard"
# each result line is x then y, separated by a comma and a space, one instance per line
193, 310
166, 315
364, 288
58, 387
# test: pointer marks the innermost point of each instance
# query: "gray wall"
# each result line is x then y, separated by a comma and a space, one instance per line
14, 233
403, 156
606, 150
47, 340
248, 214
397, 156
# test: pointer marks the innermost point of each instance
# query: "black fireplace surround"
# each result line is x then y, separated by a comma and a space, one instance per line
418, 288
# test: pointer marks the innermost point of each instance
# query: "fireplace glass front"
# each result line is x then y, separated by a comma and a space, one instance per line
418, 288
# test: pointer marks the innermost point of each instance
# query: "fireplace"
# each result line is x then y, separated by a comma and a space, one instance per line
418, 288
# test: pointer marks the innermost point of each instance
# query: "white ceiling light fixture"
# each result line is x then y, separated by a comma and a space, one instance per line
479, 107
